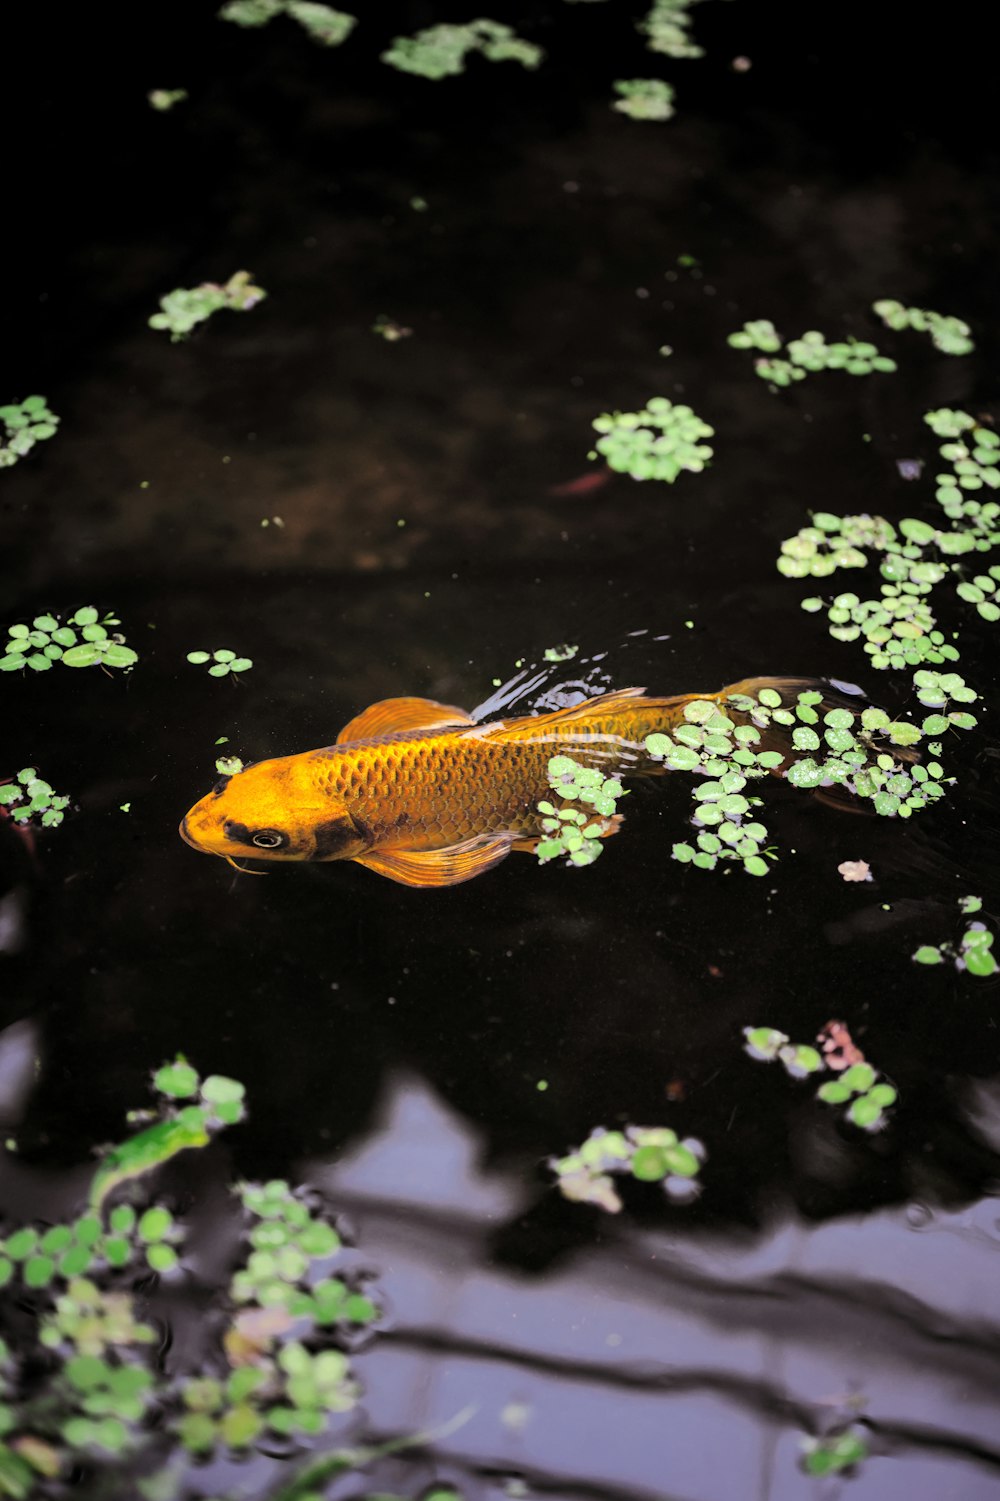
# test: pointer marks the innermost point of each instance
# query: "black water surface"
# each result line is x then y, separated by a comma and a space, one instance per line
393, 1042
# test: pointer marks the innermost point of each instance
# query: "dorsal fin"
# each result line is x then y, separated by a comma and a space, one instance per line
445, 867
391, 716
576, 714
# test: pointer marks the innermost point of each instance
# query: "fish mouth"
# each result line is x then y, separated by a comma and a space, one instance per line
188, 838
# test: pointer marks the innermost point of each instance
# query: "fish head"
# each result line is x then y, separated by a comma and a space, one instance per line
274, 810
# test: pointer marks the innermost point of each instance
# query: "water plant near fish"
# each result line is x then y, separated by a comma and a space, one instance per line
948, 334
972, 951
854, 1082
185, 307
807, 354
166, 99
223, 662
658, 442
27, 798
322, 23
81, 1382
648, 1154
83, 640
574, 826
442, 51
24, 424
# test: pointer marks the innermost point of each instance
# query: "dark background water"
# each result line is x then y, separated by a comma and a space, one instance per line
392, 1041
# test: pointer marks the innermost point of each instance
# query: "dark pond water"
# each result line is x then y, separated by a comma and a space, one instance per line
392, 1042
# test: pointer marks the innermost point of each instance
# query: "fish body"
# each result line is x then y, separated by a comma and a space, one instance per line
421, 792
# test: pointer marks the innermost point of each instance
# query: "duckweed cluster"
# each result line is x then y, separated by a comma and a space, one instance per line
185, 307
648, 1154
656, 443
28, 798
805, 355
858, 1085
973, 951
442, 51
562, 653
223, 662
644, 98
574, 827
24, 424
83, 641
667, 28
165, 99
81, 1391
322, 23
834, 1453
949, 335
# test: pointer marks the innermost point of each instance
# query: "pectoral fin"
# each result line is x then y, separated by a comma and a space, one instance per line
446, 867
391, 715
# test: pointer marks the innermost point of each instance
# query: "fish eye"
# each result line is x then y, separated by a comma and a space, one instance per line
269, 839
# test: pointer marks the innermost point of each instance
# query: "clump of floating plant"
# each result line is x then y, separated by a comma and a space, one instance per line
274, 1358
666, 27
84, 640
228, 766
649, 1154
24, 423
442, 51
325, 25
806, 355
561, 653
656, 443
223, 662
644, 98
899, 627
388, 329
855, 1084
574, 826
185, 307
165, 99
834, 1453
727, 756
28, 798
949, 335
972, 951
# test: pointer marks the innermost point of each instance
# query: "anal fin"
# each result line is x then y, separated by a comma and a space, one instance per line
391, 716
444, 867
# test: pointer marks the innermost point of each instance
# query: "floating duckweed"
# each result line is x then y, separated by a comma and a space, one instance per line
29, 797
972, 952
24, 424
441, 51
185, 307
650, 1154
656, 443
855, 1084
948, 334
223, 662
644, 98
666, 27
834, 1453
576, 831
165, 99
808, 354
561, 653
46, 641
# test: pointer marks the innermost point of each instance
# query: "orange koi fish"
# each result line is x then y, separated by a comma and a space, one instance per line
424, 794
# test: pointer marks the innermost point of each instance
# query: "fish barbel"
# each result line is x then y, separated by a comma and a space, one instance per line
424, 794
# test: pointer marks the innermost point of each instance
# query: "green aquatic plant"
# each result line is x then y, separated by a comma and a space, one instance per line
228, 766
585, 813
806, 355
649, 1154
165, 99
223, 662
322, 23
834, 1453
656, 443
973, 951
666, 27
644, 98
29, 798
79, 1389
562, 653
389, 330
185, 307
949, 335
24, 424
854, 1082
83, 641
441, 51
